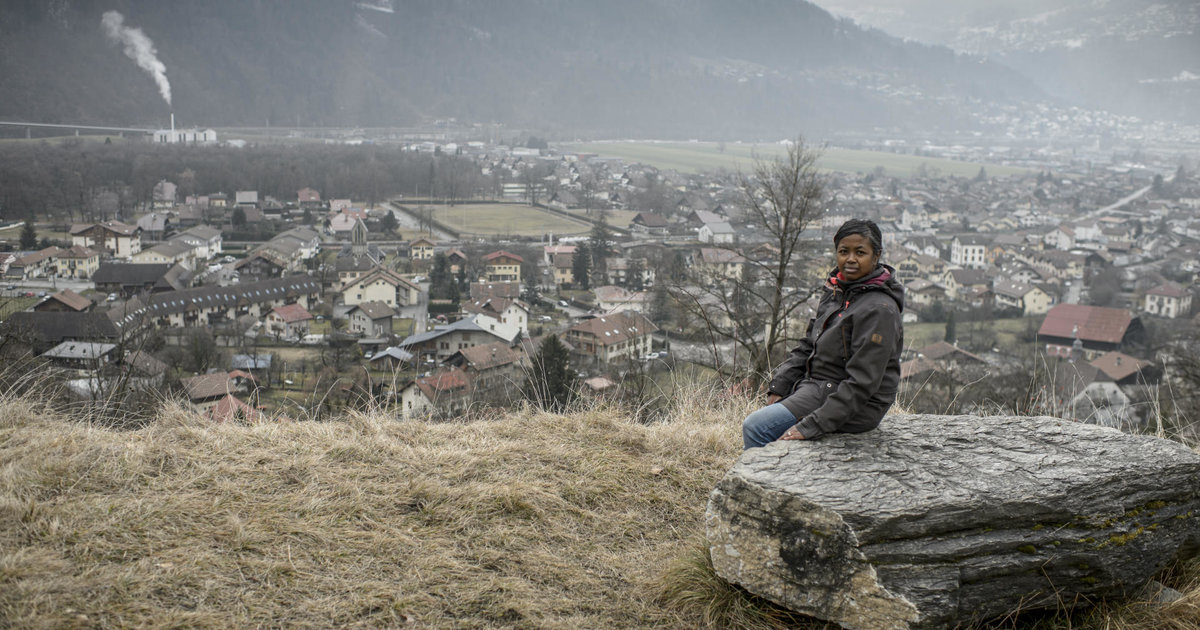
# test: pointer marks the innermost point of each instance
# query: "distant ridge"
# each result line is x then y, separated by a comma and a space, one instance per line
662, 68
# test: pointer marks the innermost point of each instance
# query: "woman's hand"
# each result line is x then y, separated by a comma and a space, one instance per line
793, 433
773, 398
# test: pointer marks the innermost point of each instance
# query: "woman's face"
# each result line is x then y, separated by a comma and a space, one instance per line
855, 257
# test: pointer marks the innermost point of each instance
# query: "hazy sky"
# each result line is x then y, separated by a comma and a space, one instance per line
935, 20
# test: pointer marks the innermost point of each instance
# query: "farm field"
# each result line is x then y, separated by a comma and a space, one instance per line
506, 219
618, 218
13, 234
695, 157
1008, 332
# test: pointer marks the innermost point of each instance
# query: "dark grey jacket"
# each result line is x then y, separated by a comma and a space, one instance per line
851, 352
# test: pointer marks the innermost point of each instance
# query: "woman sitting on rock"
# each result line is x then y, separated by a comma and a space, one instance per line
844, 374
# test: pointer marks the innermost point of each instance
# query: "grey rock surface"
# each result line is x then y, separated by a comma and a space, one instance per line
932, 521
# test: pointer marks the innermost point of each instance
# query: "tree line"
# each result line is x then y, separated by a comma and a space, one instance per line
83, 180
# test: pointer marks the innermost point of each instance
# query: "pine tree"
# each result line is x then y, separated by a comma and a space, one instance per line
635, 273
951, 329
599, 243
660, 304
551, 384
388, 223
28, 236
581, 266
441, 282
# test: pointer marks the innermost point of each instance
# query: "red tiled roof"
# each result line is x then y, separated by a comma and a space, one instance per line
1090, 323
494, 255
491, 355
444, 384
207, 385
1117, 365
78, 251
616, 327
230, 408
112, 226
72, 299
1169, 289
292, 313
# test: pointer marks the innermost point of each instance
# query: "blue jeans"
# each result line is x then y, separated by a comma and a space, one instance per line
766, 425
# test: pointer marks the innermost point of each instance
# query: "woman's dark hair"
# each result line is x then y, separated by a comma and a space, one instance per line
865, 228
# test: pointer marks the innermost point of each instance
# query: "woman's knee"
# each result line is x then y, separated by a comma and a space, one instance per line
765, 425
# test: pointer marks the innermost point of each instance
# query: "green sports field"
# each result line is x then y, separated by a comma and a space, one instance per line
507, 219
696, 157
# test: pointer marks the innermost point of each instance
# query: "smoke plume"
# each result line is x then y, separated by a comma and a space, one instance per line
139, 48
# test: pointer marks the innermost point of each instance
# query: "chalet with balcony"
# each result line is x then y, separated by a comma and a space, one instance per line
381, 285
77, 262
421, 249
39, 264
118, 239
621, 336
502, 266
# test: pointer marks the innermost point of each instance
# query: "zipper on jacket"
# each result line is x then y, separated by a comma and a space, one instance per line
824, 327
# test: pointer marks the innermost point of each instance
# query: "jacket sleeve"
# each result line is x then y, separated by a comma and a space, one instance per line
792, 369
875, 335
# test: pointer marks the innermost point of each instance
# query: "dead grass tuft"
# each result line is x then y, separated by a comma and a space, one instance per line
529, 519
691, 587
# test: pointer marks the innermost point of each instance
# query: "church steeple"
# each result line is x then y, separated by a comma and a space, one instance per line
358, 238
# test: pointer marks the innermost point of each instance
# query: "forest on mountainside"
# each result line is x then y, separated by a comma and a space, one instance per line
655, 68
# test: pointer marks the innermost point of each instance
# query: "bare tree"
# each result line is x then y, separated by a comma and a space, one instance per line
748, 297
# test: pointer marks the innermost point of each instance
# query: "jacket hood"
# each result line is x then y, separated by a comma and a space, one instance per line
882, 279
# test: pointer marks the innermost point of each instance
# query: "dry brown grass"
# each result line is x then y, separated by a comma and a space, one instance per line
528, 520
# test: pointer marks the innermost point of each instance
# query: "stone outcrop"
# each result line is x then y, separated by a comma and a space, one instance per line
930, 521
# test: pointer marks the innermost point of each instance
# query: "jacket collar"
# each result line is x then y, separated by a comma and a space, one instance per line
878, 277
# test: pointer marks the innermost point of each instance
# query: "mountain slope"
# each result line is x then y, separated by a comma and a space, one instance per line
647, 67
1137, 57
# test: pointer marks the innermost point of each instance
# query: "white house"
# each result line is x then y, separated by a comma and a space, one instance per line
1030, 300
969, 251
381, 285
205, 239
1168, 300
505, 317
719, 232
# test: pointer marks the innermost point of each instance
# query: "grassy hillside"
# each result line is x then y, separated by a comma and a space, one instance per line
694, 157
529, 520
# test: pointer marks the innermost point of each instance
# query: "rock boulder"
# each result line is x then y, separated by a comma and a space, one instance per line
931, 521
